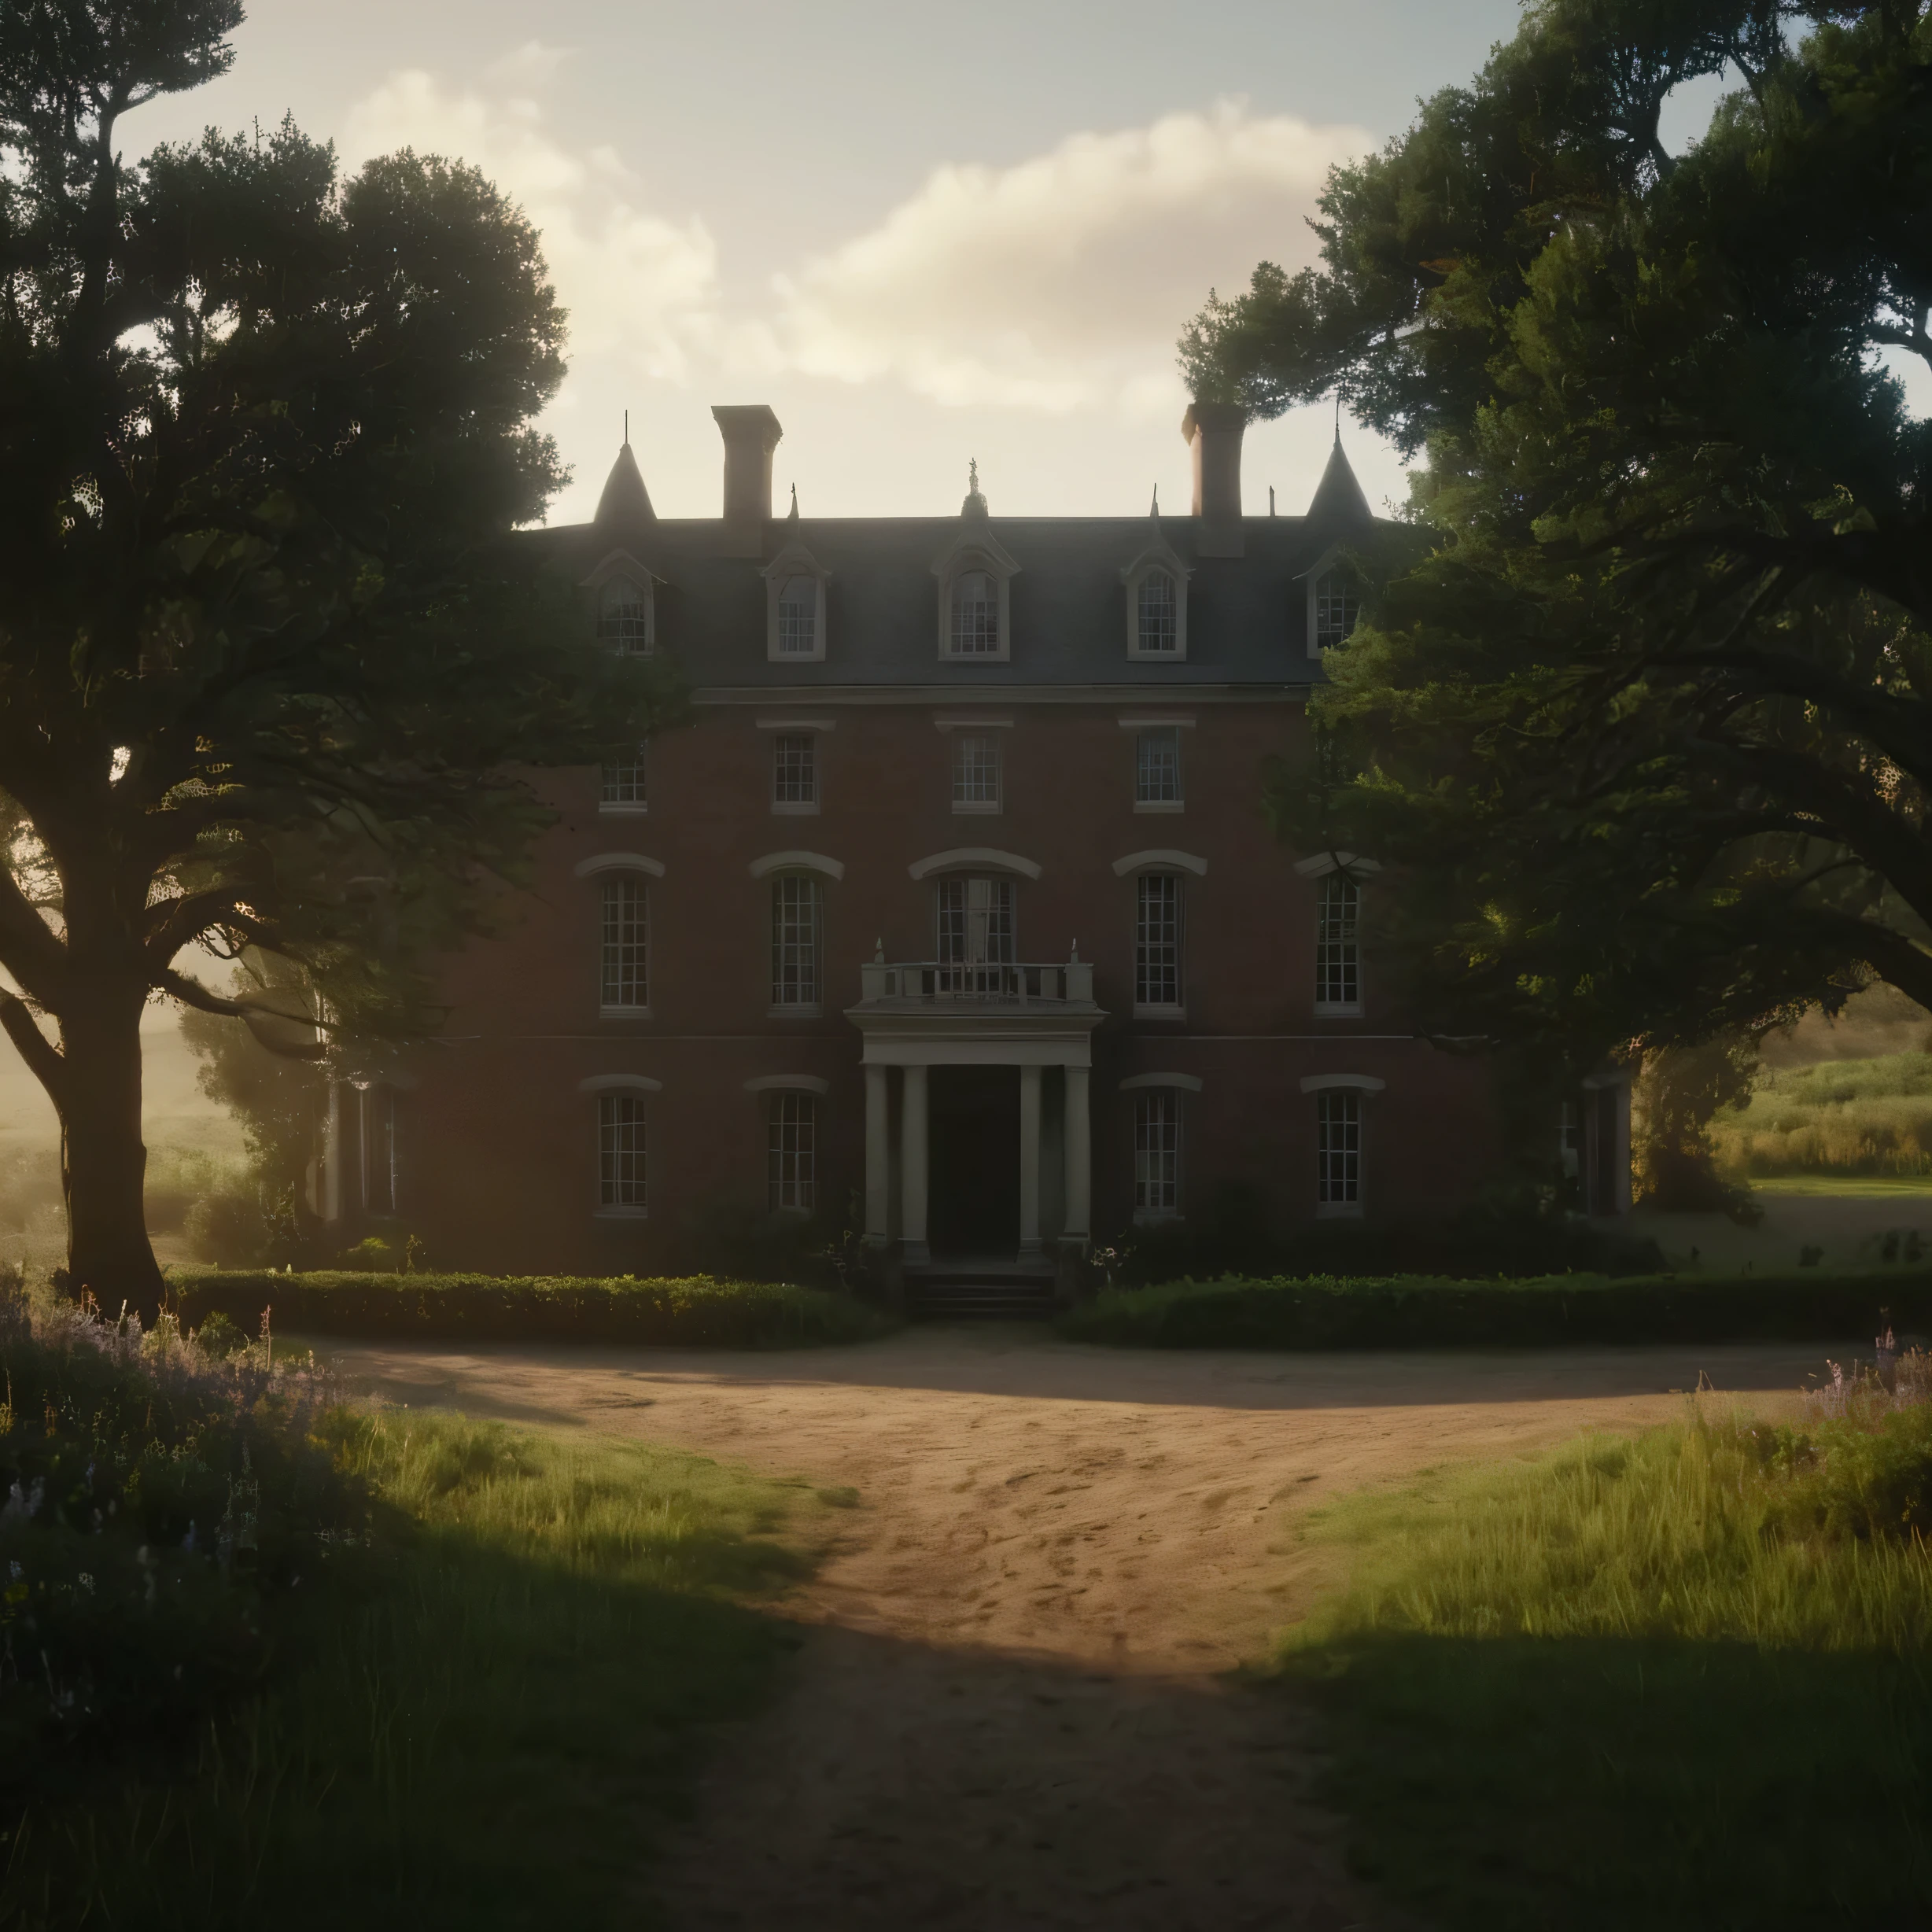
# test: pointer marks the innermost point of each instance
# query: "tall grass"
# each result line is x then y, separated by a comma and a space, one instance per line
471, 1699
1683, 1680
1850, 1117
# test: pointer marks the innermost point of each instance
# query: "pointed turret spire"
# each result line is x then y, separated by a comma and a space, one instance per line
793, 516
1338, 497
975, 504
1153, 509
625, 500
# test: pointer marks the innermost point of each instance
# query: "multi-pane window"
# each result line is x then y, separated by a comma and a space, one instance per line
795, 768
791, 1160
796, 904
1337, 951
976, 939
1336, 606
1157, 765
976, 772
975, 626
1158, 627
1157, 1151
626, 779
626, 979
797, 617
1338, 1146
624, 616
1157, 940
622, 1147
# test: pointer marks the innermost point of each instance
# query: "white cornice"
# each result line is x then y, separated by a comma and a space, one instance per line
962, 858
1159, 861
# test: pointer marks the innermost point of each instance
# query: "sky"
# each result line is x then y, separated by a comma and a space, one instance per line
922, 234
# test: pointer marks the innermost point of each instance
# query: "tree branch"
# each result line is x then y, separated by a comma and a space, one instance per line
44, 1060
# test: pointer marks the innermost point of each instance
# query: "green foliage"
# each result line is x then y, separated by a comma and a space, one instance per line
698, 1311
1646, 726
228, 1228
1413, 1311
1681, 1681
265, 442
1675, 1099
460, 1681
1844, 1117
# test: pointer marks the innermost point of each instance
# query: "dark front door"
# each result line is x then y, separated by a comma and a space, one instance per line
973, 1194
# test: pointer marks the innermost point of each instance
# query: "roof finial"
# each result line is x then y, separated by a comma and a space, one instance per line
1270, 499
1338, 419
972, 475
627, 429
794, 502
975, 504
1154, 508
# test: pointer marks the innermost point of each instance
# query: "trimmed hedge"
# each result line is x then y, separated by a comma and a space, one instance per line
696, 1312
1419, 1312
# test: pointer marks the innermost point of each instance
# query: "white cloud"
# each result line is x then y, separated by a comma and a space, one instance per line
1060, 283
638, 284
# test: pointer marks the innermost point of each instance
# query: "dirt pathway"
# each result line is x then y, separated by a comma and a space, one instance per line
1010, 1714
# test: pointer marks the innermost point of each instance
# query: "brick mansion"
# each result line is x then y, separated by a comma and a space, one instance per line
954, 908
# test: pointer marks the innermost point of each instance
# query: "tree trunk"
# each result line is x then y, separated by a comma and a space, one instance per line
103, 1159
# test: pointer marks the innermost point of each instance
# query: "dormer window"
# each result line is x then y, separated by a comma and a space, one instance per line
1156, 588
1336, 606
1159, 626
624, 616
797, 617
975, 615
795, 603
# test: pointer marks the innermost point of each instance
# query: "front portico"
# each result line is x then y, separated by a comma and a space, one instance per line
931, 1022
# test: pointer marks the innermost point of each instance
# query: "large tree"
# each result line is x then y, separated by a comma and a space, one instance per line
269, 659
1648, 705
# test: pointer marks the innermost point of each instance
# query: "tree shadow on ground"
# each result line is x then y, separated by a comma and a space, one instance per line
1513, 1783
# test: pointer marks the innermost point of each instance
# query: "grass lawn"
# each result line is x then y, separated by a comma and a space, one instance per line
480, 1712
1684, 1681
1905, 1188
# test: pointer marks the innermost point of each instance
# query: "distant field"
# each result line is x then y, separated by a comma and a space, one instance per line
1906, 1188
1838, 1120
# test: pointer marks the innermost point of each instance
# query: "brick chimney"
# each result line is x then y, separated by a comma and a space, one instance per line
1213, 432
750, 432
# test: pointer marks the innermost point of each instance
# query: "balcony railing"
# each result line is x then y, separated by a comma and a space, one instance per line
937, 982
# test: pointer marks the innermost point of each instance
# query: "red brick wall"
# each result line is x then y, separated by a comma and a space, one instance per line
500, 1168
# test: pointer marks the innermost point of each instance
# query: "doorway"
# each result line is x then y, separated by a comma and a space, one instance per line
973, 1193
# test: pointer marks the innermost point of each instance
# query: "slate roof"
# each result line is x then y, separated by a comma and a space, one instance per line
1247, 616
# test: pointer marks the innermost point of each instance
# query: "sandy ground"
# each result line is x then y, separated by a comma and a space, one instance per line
1013, 1709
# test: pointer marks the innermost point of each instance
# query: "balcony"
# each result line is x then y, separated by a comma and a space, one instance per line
940, 986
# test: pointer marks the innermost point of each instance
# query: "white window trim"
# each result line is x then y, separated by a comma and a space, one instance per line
794, 808
1312, 576
620, 1083
618, 862
796, 723
1158, 556
796, 862
1150, 719
1161, 861
972, 858
788, 1083
972, 724
624, 808
1187, 1082
1329, 1082
793, 560
621, 563
1162, 1217
976, 552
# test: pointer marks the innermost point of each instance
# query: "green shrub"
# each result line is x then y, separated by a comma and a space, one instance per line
698, 1311
229, 1229
1415, 1311
1850, 1116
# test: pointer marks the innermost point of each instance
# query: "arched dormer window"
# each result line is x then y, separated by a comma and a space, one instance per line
794, 606
1156, 588
623, 596
624, 616
1334, 600
975, 603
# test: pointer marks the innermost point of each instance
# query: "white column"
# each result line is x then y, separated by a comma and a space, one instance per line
912, 1166
878, 1161
1030, 1163
1078, 1145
